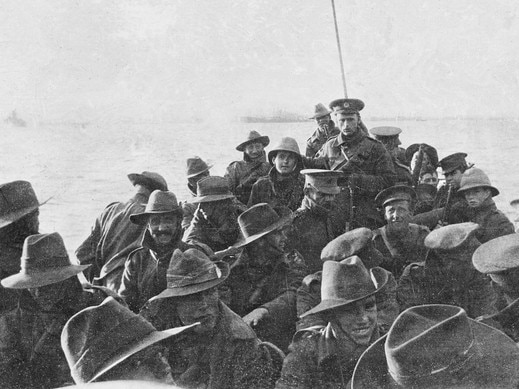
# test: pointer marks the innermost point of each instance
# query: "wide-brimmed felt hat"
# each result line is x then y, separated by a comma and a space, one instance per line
319, 111
385, 131
151, 180
190, 272
452, 237
346, 106
346, 282
476, 178
160, 202
44, 261
253, 137
452, 162
259, 220
431, 152
355, 242
438, 346
98, 338
212, 188
17, 199
286, 144
195, 166
324, 181
395, 193
497, 255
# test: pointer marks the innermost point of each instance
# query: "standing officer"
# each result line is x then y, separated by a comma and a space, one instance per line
326, 129
364, 161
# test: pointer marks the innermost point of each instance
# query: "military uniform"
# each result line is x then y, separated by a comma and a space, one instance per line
369, 169
319, 138
398, 253
243, 174
320, 358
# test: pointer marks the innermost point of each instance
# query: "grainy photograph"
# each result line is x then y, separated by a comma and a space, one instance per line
259, 194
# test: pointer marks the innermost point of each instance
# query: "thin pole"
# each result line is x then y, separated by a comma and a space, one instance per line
340, 51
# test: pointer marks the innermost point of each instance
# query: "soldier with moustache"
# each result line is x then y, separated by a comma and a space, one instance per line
326, 129
364, 161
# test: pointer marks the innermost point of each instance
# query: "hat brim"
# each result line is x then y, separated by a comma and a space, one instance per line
209, 166
148, 340
381, 277
14, 216
195, 288
371, 370
24, 280
209, 198
321, 115
283, 221
142, 218
264, 140
136, 178
493, 190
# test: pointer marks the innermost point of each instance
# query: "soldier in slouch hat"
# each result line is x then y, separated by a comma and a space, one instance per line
196, 169
326, 129
30, 349
222, 352
325, 355
114, 236
243, 174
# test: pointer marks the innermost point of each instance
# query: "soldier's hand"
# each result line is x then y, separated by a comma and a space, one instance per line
254, 317
227, 252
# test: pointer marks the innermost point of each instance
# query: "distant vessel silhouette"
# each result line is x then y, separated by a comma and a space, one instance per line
15, 120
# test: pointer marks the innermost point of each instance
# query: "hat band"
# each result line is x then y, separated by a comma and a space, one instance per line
459, 364
108, 344
27, 265
214, 192
208, 272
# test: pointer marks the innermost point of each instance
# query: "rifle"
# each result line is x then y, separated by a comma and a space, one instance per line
446, 209
418, 166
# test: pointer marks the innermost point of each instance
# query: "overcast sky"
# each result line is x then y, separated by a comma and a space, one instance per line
158, 60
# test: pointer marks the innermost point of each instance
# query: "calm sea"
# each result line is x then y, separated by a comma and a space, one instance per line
84, 169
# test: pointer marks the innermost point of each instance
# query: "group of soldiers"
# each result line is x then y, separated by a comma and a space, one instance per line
342, 267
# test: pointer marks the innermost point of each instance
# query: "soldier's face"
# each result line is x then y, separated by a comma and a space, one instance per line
199, 307
325, 200
429, 179
398, 214
285, 162
348, 123
476, 196
163, 228
254, 150
323, 121
454, 178
49, 295
358, 320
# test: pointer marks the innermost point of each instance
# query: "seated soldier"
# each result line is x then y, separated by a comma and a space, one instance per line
356, 242
30, 350
438, 346
326, 129
318, 220
388, 136
283, 186
108, 342
399, 241
144, 274
425, 195
214, 223
499, 259
222, 352
478, 192
325, 355
447, 275
243, 174
422, 159
429, 177
263, 282
196, 169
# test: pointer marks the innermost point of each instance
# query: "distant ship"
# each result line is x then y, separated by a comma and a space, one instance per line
15, 120
277, 117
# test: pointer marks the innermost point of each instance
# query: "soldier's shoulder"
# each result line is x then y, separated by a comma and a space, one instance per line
308, 333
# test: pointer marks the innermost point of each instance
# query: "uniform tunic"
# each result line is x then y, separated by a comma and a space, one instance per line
242, 175
113, 237
319, 138
234, 358
369, 169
